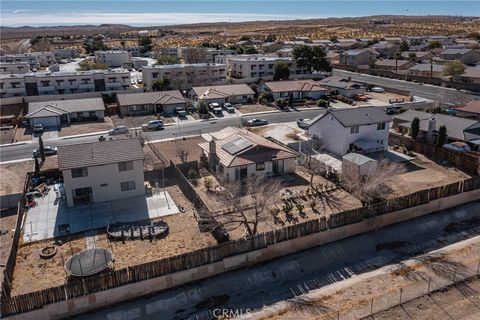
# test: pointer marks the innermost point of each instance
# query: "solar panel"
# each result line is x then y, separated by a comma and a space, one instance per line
237, 145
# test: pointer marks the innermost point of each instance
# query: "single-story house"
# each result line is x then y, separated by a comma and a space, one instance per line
63, 112
427, 69
392, 64
232, 93
163, 102
236, 154
417, 56
467, 56
299, 89
344, 130
470, 110
343, 86
458, 128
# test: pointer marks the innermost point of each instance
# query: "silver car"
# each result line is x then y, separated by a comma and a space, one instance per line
117, 130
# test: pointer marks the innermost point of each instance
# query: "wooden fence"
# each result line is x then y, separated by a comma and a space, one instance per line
469, 162
149, 270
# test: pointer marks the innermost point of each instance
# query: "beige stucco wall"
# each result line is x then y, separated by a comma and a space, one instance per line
105, 298
106, 174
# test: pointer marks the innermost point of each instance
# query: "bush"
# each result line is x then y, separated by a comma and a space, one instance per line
345, 100
208, 183
322, 103
281, 103
265, 97
192, 173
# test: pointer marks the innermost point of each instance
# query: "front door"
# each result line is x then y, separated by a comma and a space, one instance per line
277, 167
243, 173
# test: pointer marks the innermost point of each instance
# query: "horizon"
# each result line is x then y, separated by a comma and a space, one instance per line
147, 13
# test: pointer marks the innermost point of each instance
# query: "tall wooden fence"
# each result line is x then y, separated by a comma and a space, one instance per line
35, 300
469, 162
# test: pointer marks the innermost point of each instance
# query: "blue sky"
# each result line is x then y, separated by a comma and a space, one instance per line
166, 12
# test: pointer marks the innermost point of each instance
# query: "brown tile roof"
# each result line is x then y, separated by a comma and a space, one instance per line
156, 97
99, 153
259, 149
295, 85
471, 107
213, 92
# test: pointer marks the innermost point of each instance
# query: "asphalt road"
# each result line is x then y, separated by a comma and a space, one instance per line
297, 274
436, 93
24, 151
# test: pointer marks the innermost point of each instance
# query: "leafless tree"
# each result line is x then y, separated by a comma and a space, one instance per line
180, 151
246, 203
373, 188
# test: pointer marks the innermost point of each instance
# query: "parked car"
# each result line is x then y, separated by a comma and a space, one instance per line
38, 128
378, 89
257, 122
392, 110
181, 112
228, 107
49, 151
215, 107
303, 123
117, 130
153, 125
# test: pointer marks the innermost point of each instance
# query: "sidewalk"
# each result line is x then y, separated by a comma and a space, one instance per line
385, 288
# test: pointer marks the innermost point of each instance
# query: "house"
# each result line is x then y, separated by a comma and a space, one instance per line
358, 165
471, 75
343, 130
45, 83
64, 112
232, 93
113, 58
392, 64
156, 102
299, 89
235, 154
427, 70
458, 129
467, 56
269, 47
101, 171
186, 76
470, 110
386, 49
343, 86
417, 56
357, 57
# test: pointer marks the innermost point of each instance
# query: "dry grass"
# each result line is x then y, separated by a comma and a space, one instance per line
86, 127
252, 108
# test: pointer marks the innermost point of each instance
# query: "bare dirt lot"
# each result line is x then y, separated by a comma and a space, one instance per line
13, 174
6, 136
174, 148
7, 225
86, 127
423, 173
386, 96
23, 134
251, 108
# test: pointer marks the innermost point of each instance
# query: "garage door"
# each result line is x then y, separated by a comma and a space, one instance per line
47, 121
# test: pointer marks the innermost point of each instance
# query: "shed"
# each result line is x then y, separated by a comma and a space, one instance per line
355, 164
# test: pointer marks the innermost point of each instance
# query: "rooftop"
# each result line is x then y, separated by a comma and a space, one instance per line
155, 97
295, 85
357, 116
182, 65
357, 158
99, 153
222, 91
48, 108
471, 107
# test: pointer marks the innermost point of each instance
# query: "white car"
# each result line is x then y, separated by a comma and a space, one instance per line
49, 151
215, 107
153, 125
378, 89
117, 130
303, 123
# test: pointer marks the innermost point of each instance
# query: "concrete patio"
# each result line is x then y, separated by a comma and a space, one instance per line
51, 217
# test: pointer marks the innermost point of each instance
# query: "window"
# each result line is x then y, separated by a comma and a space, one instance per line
381, 126
127, 186
79, 172
354, 129
125, 166
104, 185
260, 166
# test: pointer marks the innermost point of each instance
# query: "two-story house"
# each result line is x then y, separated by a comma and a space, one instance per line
102, 171
344, 130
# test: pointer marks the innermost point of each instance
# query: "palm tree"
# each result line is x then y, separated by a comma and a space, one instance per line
431, 70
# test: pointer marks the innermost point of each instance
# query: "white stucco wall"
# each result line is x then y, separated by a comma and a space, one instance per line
106, 174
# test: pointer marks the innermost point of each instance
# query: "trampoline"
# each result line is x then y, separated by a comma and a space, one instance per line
89, 262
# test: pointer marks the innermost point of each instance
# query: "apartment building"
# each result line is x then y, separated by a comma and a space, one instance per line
45, 59
20, 58
254, 68
14, 67
34, 84
113, 58
186, 76
202, 55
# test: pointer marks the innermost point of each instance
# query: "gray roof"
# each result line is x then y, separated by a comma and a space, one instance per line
59, 107
455, 51
156, 97
99, 153
339, 82
357, 158
358, 116
426, 67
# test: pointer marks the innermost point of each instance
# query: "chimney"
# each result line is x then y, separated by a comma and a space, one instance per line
431, 129
212, 159
349, 79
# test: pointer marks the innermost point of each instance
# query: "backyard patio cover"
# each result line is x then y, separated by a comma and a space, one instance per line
369, 146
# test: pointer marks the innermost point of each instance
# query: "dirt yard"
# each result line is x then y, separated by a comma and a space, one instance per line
6, 136
423, 173
386, 96
184, 236
7, 225
23, 134
252, 108
172, 149
13, 174
86, 127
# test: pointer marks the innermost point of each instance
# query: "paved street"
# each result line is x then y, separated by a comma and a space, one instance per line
436, 93
298, 274
24, 151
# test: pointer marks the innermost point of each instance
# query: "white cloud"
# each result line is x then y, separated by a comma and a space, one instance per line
76, 18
